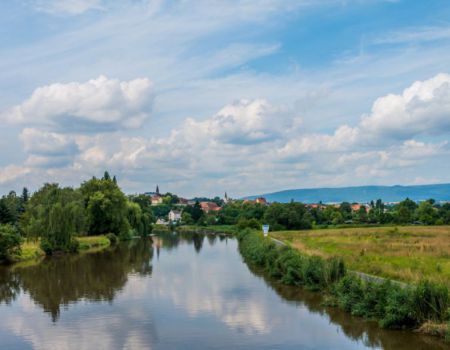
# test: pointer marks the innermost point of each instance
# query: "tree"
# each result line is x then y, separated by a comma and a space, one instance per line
10, 241
5, 215
25, 195
106, 176
337, 218
426, 213
361, 215
196, 212
14, 205
405, 211
346, 210
186, 218
106, 207
55, 215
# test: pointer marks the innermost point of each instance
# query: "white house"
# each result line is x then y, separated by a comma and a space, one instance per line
174, 215
161, 222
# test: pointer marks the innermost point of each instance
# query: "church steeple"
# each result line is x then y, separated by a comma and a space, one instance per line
157, 189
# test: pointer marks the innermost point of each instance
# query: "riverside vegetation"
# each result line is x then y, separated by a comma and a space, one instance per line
63, 219
424, 306
404, 253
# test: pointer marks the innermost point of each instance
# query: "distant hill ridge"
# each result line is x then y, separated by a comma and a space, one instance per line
360, 194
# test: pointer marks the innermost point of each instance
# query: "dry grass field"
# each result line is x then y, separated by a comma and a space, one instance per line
404, 253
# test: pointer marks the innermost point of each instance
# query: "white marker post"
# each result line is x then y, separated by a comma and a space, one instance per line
265, 230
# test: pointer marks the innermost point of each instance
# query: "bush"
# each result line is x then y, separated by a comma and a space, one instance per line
49, 248
248, 223
399, 310
126, 235
314, 272
288, 267
74, 246
349, 292
10, 241
374, 300
113, 239
431, 302
335, 270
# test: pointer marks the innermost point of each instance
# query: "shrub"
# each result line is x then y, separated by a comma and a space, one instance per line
113, 239
349, 292
314, 272
126, 235
288, 267
335, 270
10, 241
431, 302
373, 302
399, 310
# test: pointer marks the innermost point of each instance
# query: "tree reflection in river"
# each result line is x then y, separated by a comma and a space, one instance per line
198, 295
61, 280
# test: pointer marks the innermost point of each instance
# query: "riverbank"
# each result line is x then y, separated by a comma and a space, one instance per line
229, 229
31, 250
404, 253
421, 308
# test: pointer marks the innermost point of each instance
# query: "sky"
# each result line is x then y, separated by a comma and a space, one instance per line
207, 96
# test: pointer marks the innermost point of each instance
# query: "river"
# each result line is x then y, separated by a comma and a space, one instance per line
181, 291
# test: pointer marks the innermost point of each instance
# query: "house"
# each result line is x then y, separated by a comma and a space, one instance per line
261, 200
156, 199
161, 222
357, 206
174, 215
316, 206
183, 201
209, 206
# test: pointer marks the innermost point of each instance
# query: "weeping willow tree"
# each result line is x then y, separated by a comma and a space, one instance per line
55, 215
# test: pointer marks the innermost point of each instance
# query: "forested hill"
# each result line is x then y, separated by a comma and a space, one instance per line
361, 194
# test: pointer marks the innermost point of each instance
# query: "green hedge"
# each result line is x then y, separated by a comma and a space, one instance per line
392, 305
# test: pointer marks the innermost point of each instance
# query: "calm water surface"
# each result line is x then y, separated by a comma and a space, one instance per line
179, 292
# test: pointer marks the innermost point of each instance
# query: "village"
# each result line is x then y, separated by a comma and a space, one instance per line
169, 208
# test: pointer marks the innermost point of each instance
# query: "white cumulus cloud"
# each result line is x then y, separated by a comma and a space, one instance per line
423, 108
97, 105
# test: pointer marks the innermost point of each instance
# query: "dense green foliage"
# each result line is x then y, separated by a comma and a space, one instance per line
392, 305
287, 265
298, 216
55, 215
9, 242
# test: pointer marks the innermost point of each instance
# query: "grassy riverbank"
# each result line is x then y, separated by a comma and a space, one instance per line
31, 249
405, 253
423, 307
89, 242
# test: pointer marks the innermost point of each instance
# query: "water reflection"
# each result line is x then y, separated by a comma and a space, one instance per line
368, 332
193, 292
63, 280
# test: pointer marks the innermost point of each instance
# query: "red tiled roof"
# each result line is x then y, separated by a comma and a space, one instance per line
209, 206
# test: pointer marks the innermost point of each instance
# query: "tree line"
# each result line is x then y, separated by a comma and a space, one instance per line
55, 215
297, 216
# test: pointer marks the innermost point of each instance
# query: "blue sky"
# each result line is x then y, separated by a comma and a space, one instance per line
241, 96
